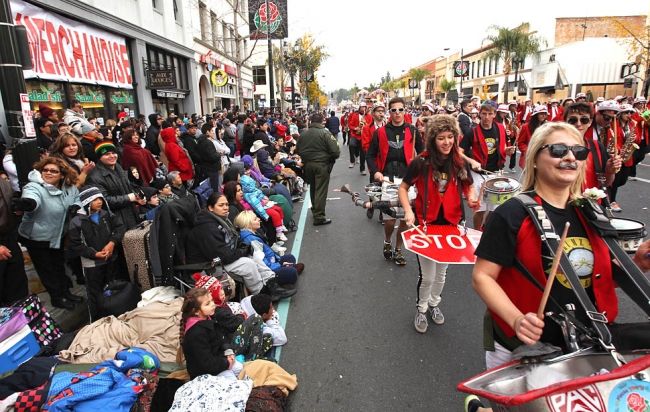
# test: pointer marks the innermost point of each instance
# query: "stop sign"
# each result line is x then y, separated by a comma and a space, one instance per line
443, 243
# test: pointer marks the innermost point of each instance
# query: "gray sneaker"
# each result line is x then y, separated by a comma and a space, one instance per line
421, 323
436, 315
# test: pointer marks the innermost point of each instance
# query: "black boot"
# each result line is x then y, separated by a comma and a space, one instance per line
277, 292
72, 297
63, 303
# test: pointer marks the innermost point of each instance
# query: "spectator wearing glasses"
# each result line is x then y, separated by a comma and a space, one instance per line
46, 199
391, 151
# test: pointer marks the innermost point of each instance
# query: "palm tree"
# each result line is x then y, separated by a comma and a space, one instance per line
447, 85
509, 44
418, 75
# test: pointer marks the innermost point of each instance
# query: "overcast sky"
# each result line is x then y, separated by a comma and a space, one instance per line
366, 38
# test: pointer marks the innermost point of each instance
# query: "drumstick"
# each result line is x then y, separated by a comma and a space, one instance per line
551, 276
417, 229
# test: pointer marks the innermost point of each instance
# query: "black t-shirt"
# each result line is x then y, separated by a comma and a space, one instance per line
395, 165
491, 141
499, 243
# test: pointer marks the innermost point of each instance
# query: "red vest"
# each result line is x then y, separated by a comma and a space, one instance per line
479, 147
409, 147
450, 200
591, 174
526, 296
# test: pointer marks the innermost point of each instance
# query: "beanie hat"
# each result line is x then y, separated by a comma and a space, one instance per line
104, 146
88, 194
149, 192
248, 161
87, 127
210, 283
45, 111
159, 184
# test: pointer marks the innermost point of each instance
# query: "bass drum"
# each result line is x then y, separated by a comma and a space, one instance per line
499, 189
630, 233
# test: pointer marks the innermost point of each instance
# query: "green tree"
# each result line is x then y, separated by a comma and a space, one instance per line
509, 44
638, 48
447, 85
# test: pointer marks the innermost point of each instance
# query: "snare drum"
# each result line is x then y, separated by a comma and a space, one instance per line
500, 189
630, 233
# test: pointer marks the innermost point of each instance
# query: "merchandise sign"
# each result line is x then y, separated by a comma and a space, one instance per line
273, 20
461, 68
28, 119
66, 50
443, 243
161, 78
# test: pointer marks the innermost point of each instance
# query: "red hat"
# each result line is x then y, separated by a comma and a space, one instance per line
45, 111
210, 283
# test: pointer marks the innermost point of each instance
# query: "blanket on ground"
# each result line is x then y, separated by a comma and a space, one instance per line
266, 373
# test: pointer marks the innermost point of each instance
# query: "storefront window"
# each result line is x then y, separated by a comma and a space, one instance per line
92, 98
49, 93
118, 100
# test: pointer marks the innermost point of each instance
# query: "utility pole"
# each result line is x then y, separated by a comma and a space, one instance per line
461, 74
12, 82
268, 38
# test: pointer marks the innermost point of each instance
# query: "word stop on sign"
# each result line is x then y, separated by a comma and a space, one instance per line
443, 243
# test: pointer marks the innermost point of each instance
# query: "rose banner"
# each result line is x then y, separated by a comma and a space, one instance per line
274, 20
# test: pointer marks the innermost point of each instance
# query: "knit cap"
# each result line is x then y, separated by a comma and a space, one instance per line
104, 146
210, 283
88, 194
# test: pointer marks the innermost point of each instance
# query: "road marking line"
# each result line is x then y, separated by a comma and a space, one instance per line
643, 164
640, 179
283, 306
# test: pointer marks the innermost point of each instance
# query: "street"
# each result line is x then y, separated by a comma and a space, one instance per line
352, 342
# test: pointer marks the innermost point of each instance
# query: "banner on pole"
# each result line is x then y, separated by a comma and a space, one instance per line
273, 21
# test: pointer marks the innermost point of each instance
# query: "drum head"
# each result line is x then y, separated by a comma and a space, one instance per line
502, 184
627, 224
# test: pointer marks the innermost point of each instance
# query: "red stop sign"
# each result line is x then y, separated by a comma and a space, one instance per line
443, 243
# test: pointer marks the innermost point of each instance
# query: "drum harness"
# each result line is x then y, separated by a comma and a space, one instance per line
599, 333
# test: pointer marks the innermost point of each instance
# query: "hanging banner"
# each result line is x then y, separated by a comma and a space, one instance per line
67, 50
28, 116
273, 21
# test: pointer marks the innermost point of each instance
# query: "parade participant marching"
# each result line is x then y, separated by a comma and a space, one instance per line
318, 150
524, 112
508, 123
356, 121
378, 117
625, 143
485, 149
441, 177
392, 149
553, 176
539, 117
345, 130
642, 132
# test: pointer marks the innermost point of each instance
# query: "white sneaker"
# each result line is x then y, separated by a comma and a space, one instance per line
281, 237
436, 315
280, 250
421, 324
351, 165
284, 229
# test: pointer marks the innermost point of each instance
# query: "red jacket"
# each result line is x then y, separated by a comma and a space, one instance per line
344, 122
554, 117
522, 143
642, 129
526, 297
591, 171
479, 148
176, 155
522, 115
366, 135
353, 123
450, 200
409, 146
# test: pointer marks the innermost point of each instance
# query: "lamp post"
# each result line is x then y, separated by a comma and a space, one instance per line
270, 50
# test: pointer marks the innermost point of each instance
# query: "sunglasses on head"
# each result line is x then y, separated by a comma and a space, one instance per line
582, 119
394, 110
559, 150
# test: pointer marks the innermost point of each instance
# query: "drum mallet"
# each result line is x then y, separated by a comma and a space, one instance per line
551, 276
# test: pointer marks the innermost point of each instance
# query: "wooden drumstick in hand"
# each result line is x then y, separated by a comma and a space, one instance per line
551, 276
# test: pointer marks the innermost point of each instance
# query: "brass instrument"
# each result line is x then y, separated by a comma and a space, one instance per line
629, 145
362, 122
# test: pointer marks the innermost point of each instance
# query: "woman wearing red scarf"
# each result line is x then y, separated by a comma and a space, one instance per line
134, 155
441, 177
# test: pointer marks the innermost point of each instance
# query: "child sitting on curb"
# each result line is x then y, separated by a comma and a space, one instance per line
263, 207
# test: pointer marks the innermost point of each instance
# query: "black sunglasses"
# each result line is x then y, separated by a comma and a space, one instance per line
607, 117
581, 119
401, 109
559, 150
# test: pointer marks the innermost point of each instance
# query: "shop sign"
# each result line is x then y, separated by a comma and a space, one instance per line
230, 70
28, 118
66, 50
122, 98
90, 97
171, 95
161, 78
219, 78
45, 95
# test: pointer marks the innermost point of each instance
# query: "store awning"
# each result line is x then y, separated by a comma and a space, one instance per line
548, 76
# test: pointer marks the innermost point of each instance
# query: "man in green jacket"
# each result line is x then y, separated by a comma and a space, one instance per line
318, 150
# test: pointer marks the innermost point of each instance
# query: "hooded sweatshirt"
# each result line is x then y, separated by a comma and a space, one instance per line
178, 158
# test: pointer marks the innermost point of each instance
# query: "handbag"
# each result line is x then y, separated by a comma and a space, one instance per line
39, 320
118, 297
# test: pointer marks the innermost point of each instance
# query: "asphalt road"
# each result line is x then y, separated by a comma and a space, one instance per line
352, 342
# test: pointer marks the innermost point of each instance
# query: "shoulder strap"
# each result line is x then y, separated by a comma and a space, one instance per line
551, 239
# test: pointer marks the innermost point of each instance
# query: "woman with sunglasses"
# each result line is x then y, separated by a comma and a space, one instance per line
553, 176
45, 201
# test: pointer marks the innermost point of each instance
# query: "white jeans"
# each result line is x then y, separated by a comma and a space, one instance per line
253, 274
500, 356
430, 284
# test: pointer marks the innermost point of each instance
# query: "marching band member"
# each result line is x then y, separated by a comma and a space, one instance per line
392, 149
539, 116
485, 150
441, 177
642, 132
625, 142
554, 112
378, 113
601, 167
356, 121
525, 112
503, 117
345, 130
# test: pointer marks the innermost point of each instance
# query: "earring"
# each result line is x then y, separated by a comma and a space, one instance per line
534, 166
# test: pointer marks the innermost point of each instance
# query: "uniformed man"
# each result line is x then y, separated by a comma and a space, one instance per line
318, 150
